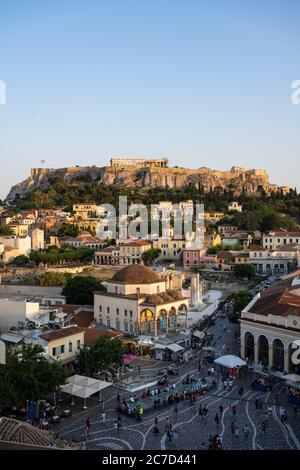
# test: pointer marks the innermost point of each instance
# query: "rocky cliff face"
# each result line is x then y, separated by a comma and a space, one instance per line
239, 179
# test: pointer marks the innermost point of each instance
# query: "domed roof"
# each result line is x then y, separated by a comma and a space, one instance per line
175, 294
154, 299
136, 274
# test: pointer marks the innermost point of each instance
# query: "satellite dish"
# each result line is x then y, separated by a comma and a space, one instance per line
2, 352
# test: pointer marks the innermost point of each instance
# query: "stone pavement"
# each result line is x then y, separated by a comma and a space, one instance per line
193, 431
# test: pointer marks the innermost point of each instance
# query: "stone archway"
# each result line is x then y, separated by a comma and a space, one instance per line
172, 320
182, 310
147, 319
162, 320
263, 350
278, 354
249, 345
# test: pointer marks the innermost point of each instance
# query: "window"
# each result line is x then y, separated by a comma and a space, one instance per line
100, 308
118, 311
130, 313
53, 351
117, 324
70, 346
116, 289
125, 313
100, 321
108, 321
107, 309
126, 326
78, 344
62, 349
131, 328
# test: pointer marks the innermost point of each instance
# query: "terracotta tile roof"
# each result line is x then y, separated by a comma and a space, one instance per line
70, 308
257, 248
92, 334
282, 233
83, 318
281, 300
61, 333
136, 274
139, 243
20, 432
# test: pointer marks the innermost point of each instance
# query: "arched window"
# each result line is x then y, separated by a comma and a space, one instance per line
263, 350
108, 320
249, 346
126, 326
117, 324
278, 354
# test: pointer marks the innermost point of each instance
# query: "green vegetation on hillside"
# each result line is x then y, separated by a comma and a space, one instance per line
260, 212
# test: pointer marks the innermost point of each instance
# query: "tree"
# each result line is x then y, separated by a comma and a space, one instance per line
105, 352
80, 290
68, 230
241, 300
28, 375
21, 260
150, 255
244, 270
5, 230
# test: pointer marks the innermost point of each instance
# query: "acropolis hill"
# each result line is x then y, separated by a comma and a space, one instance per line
151, 173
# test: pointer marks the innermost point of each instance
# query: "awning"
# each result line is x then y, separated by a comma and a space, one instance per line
11, 338
230, 361
199, 334
175, 347
84, 387
294, 378
160, 346
144, 341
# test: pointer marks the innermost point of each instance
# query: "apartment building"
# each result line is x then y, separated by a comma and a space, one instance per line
277, 238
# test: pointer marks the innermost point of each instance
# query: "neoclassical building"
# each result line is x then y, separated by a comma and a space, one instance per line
138, 300
270, 324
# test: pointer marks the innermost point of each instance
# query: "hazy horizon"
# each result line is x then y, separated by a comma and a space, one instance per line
202, 83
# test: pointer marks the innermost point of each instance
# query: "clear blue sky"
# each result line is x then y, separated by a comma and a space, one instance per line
204, 83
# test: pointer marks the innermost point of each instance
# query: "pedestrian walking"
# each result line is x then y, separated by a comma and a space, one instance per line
155, 428
257, 403
221, 409
200, 410
176, 410
246, 431
87, 428
174, 435
295, 410
217, 420
103, 417
236, 432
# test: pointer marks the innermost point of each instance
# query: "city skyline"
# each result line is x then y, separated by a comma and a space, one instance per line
203, 84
